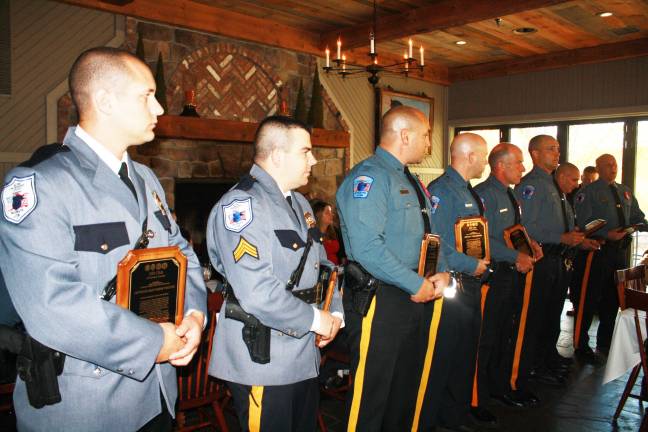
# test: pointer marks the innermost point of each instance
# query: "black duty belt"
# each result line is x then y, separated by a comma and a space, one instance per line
310, 295
554, 249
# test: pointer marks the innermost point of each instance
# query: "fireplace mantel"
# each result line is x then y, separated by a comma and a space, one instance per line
234, 131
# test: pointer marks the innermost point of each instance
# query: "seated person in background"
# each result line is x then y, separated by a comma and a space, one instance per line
324, 216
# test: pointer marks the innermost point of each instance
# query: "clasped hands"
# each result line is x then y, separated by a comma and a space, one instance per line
431, 288
181, 342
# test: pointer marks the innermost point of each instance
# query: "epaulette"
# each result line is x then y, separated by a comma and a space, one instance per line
43, 153
246, 183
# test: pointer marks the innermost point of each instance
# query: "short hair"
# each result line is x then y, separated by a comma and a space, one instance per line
536, 141
565, 167
104, 65
499, 152
265, 141
590, 170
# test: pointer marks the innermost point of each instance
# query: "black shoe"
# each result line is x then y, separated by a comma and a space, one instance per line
527, 397
483, 416
563, 360
509, 400
546, 377
590, 357
559, 368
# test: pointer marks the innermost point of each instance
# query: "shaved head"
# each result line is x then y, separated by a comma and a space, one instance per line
567, 176
468, 155
507, 163
545, 152
567, 168
405, 134
102, 67
607, 167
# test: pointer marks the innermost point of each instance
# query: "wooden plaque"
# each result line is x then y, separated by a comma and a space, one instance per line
594, 226
151, 283
429, 256
516, 237
471, 237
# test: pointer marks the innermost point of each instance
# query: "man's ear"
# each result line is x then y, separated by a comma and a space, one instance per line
103, 101
404, 136
276, 157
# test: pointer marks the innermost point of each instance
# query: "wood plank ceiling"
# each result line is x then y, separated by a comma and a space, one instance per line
567, 32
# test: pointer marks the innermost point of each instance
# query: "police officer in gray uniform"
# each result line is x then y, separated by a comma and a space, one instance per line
453, 197
68, 219
503, 306
257, 235
383, 223
615, 203
549, 220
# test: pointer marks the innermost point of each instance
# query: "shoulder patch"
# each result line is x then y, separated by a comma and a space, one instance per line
627, 195
19, 198
246, 183
362, 186
43, 153
243, 248
237, 215
435, 200
528, 191
580, 197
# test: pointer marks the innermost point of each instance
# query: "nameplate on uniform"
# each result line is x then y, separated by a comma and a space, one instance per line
594, 226
429, 256
471, 237
516, 237
151, 283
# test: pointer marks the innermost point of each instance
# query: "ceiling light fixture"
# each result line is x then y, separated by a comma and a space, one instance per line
461, 42
404, 67
525, 30
605, 14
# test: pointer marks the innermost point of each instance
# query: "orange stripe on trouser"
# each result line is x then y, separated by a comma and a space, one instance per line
475, 394
427, 363
581, 300
520, 336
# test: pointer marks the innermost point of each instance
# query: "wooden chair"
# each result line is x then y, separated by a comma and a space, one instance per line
633, 278
196, 389
638, 301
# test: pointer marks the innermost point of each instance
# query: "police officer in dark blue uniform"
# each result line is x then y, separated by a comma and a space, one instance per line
452, 197
549, 220
613, 202
503, 308
384, 214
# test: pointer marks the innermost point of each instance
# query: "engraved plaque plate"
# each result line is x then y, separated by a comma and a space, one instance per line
516, 237
151, 283
471, 237
429, 256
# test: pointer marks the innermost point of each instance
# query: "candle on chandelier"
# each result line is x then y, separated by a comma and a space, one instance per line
339, 48
344, 62
410, 48
422, 56
406, 62
372, 43
328, 57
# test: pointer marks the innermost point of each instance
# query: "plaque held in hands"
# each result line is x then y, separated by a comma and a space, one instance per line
429, 256
151, 283
471, 237
516, 237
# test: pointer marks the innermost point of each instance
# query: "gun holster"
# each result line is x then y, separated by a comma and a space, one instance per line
361, 285
256, 336
39, 366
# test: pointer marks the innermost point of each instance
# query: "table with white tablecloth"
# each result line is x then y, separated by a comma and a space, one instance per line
624, 352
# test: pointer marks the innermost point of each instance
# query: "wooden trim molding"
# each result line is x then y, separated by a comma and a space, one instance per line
234, 131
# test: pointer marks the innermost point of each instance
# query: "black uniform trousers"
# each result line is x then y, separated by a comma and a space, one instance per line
449, 391
499, 330
602, 296
550, 281
386, 360
279, 408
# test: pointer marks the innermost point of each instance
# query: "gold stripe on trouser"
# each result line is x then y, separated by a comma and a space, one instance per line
475, 392
521, 328
254, 412
358, 380
427, 364
581, 300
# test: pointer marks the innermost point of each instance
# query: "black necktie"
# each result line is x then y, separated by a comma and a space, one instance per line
421, 200
289, 199
123, 175
516, 205
563, 203
619, 207
476, 197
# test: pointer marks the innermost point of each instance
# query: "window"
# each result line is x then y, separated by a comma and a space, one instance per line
522, 135
589, 141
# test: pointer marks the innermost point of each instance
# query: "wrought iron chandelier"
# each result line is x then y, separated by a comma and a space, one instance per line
409, 63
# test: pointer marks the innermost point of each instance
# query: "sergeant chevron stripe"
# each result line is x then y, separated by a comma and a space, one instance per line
244, 247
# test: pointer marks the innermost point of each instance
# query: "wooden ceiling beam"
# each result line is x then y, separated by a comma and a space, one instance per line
208, 19
555, 60
440, 15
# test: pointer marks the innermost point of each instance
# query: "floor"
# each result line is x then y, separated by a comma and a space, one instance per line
584, 405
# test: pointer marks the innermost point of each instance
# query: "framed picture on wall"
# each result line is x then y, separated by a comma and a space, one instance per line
387, 98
